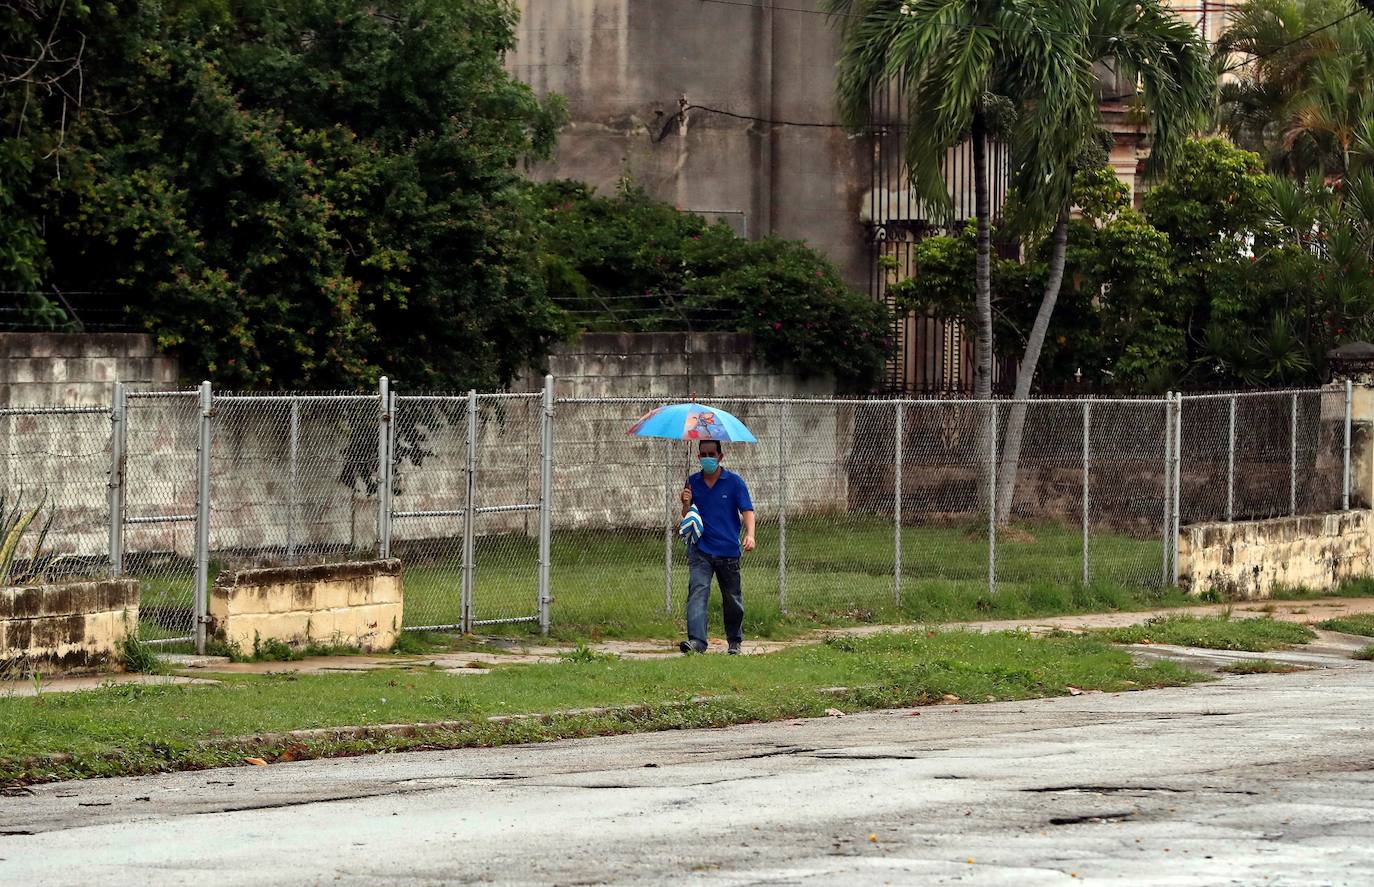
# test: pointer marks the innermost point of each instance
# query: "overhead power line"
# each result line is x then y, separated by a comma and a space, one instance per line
1365, 5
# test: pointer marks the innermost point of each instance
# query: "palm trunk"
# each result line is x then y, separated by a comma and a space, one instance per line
982, 377
1025, 374
982, 344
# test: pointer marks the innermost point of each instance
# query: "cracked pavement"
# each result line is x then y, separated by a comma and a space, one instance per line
1261, 779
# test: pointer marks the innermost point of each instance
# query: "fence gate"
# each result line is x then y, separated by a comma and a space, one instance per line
467, 506
156, 441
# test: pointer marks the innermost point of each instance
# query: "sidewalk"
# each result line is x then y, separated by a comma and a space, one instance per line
506, 651
476, 662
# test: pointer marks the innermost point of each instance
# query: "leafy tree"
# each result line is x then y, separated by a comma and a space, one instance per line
41, 54
629, 261
1229, 277
307, 193
1113, 320
1211, 208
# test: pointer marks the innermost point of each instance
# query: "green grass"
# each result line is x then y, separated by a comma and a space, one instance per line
610, 584
1259, 666
1211, 632
1363, 625
142, 728
1366, 653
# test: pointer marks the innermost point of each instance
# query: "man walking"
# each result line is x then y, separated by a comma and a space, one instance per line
722, 500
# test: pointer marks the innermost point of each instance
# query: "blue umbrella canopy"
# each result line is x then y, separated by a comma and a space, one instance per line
691, 421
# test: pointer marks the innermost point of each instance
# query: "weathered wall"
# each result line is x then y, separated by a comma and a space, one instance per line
672, 365
75, 626
69, 369
354, 604
1248, 559
624, 67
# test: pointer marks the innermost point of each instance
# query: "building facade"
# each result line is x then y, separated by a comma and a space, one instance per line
726, 108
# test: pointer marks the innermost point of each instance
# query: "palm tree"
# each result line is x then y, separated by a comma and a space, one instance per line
1327, 120
1148, 44
1305, 90
954, 56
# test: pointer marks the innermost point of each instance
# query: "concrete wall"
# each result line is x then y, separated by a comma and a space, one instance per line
626, 65
1249, 559
672, 365
74, 626
68, 369
354, 604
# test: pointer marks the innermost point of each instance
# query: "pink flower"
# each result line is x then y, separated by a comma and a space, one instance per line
777, 326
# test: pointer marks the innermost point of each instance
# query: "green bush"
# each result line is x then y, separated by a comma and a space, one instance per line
633, 262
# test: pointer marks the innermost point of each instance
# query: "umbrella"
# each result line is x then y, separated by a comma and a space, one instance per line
691, 421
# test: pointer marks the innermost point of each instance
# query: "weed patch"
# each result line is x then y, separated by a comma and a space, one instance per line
1211, 632
136, 656
583, 653
1362, 625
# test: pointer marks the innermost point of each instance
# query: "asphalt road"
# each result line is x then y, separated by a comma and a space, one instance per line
1265, 779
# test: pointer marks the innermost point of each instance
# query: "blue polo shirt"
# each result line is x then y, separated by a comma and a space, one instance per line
721, 506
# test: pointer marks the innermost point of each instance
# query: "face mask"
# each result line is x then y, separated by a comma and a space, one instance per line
709, 464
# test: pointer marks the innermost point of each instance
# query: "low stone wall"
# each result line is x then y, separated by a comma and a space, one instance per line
1248, 559
353, 604
67, 627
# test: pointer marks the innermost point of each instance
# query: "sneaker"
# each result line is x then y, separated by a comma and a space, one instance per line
689, 648
734, 649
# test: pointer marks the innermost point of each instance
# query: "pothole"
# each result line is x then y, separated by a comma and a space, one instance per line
1091, 818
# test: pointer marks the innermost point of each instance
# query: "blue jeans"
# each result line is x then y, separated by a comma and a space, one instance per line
700, 568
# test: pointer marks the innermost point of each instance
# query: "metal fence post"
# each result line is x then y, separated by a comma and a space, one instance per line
202, 587
469, 528
119, 436
785, 415
385, 400
1231, 463
1168, 489
292, 505
1293, 460
1345, 485
545, 504
992, 497
671, 496
1087, 457
900, 417
1178, 478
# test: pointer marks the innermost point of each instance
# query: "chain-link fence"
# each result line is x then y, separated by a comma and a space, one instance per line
522, 508
53, 515
54, 489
